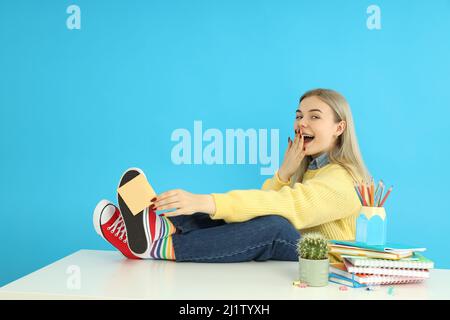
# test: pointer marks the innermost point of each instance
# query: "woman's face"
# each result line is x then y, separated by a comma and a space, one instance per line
316, 119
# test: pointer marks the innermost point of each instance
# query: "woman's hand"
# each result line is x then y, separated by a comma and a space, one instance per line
184, 202
293, 157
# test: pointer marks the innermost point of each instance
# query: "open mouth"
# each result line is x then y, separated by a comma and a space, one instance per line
308, 138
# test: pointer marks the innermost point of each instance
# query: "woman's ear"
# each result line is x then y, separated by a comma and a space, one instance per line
341, 128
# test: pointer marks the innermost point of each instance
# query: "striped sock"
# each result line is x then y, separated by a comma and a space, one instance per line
161, 230
163, 249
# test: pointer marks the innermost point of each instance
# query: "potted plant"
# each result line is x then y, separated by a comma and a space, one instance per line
314, 263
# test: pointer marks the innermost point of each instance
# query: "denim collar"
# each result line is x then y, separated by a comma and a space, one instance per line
319, 162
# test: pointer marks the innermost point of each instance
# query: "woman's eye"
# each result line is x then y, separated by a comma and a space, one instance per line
314, 117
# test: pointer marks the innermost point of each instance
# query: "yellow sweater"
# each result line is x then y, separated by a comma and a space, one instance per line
325, 202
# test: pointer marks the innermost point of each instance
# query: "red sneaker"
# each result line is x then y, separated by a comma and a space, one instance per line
108, 223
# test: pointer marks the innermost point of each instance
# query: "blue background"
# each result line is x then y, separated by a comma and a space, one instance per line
78, 107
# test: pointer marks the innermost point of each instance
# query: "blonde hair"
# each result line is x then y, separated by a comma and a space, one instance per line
346, 150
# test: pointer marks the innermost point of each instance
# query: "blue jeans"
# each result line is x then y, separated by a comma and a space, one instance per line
201, 239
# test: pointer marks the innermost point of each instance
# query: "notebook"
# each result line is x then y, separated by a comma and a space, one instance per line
339, 268
388, 247
378, 279
336, 278
417, 261
423, 273
352, 251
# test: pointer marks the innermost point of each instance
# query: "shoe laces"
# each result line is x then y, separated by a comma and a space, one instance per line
118, 227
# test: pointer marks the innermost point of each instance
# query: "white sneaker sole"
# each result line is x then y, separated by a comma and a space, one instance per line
97, 216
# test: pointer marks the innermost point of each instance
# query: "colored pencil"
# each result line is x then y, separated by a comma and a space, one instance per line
372, 195
357, 192
377, 194
363, 195
385, 197
376, 191
360, 190
377, 203
369, 195
369, 201
380, 193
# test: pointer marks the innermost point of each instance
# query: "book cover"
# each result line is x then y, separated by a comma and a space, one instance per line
338, 279
353, 251
388, 247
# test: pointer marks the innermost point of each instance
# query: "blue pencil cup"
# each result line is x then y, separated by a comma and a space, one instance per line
371, 226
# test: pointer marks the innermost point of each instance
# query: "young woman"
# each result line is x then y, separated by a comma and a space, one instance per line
312, 191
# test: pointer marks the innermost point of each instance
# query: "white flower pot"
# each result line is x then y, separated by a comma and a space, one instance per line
314, 272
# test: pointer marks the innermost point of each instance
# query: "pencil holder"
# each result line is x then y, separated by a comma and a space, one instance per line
371, 226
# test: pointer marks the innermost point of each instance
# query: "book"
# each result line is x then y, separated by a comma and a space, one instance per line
417, 261
422, 273
367, 279
353, 251
336, 278
388, 247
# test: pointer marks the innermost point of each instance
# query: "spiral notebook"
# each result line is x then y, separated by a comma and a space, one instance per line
417, 261
368, 279
415, 273
378, 280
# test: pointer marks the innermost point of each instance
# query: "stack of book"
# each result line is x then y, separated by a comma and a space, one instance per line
363, 265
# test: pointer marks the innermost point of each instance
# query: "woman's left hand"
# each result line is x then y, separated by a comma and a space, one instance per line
184, 202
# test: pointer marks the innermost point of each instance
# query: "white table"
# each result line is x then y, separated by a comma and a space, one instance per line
90, 274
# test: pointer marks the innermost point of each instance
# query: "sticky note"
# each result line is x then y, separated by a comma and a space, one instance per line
137, 194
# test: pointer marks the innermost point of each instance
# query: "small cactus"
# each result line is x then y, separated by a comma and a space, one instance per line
313, 246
